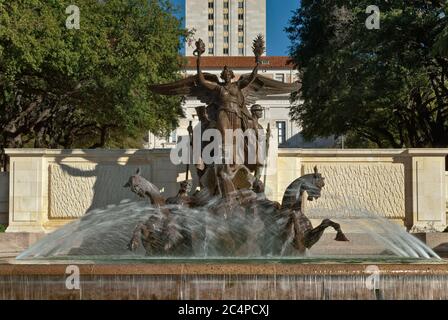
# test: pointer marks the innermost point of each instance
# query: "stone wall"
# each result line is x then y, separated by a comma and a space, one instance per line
52, 187
376, 187
4, 194
406, 185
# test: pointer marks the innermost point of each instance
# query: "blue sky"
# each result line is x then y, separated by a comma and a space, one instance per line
279, 12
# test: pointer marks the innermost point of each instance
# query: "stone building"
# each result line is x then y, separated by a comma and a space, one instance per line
228, 28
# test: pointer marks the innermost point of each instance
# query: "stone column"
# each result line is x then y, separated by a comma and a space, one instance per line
428, 189
28, 191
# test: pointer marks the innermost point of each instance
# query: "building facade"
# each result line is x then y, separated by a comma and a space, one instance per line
227, 27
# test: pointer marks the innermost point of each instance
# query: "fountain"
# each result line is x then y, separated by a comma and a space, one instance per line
226, 240
230, 215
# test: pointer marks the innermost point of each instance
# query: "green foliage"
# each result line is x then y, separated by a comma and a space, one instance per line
441, 45
2, 228
70, 88
387, 87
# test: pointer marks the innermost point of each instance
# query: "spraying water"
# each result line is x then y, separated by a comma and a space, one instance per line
106, 233
390, 235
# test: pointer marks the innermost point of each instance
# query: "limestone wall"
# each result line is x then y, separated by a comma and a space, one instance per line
406, 185
4, 194
52, 187
354, 182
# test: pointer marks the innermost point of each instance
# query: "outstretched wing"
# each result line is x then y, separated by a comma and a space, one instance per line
188, 87
262, 87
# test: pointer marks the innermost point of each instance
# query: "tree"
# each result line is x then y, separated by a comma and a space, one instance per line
387, 87
86, 87
441, 45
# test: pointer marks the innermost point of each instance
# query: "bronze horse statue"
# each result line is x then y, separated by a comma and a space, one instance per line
285, 231
230, 214
299, 229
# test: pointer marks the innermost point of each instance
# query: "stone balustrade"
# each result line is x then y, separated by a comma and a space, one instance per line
49, 188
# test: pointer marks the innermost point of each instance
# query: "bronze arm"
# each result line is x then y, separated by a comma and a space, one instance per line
243, 83
202, 81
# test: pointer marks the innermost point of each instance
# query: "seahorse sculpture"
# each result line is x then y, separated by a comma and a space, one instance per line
286, 230
299, 231
158, 234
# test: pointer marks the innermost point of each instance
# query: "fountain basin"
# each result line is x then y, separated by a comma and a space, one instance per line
344, 279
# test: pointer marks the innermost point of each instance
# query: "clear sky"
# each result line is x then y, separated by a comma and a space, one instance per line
279, 12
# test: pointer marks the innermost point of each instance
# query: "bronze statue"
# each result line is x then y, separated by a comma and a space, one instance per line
182, 198
230, 215
285, 229
257, 113
227, 101
205, 124
145, 189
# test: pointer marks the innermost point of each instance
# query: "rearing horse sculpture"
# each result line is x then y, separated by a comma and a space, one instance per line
299, 231
286, 230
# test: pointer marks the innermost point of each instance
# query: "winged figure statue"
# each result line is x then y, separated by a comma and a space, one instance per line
227, 100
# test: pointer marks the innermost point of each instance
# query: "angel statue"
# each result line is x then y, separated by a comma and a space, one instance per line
227, 101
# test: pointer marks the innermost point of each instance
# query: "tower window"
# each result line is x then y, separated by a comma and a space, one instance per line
240, 4
241, 51
281, 131
210, 16
210, 51
226, 16
226, 39
240, 16
211, 4
210, 27
226, 51
240, 39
